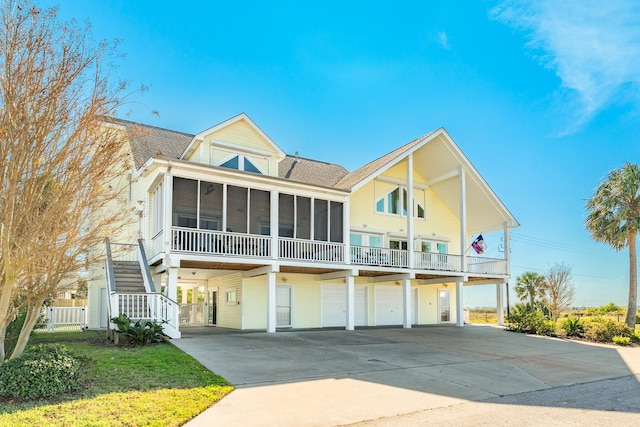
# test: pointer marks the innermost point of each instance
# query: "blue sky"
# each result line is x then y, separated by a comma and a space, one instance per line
542, 96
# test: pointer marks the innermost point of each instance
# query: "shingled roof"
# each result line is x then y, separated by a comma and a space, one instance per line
310, 171
358, 175
149, 141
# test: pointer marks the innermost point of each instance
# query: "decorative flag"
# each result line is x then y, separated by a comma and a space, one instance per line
479, 245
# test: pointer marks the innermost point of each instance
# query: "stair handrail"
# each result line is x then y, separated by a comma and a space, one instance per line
111, 275
149, 286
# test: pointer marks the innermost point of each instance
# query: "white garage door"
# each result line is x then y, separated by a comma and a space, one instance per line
334, 305
388, 305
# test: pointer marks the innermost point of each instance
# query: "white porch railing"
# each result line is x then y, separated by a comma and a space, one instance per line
310, 250
63, 319
385, 257
436, 261
486, 265
150, 306
219, 243
249, 245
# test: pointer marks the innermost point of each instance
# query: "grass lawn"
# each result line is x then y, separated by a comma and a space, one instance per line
155, 385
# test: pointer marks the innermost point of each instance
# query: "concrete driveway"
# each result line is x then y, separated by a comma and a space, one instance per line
476, 375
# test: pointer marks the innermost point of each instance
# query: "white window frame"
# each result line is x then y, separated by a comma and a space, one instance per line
231, 296
416, 203
241, 160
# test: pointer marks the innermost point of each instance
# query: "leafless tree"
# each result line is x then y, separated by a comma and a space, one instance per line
59, 158
559, 289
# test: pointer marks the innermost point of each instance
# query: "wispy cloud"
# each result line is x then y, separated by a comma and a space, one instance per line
592, 45
443, 40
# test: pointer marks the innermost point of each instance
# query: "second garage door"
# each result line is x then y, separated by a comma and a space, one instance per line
334, 305
388, 305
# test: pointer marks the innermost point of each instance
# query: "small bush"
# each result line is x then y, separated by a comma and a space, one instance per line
619, 340
603, 330
635, 336
573, 327
525, 319
42, 371
546, 327
141, 332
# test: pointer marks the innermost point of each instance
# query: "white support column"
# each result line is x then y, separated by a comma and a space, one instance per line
167, 214
346, 229
500, 304
459, 304
271, 302
274, 223
463, 218
171, 286
351, 311
406, 303
410, 243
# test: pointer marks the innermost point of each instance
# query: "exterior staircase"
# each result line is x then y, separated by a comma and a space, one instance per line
132, 291
128, 277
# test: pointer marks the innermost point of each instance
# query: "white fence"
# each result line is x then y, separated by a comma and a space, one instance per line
63, 319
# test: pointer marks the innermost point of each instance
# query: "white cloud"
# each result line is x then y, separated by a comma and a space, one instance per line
592, 45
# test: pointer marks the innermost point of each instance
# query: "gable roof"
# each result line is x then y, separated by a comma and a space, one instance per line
240, 117
374, 168
310, 171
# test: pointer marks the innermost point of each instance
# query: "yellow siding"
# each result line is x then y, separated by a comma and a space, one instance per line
255, 303
428, 303
440, 220
229, 316
306, 300
243, 135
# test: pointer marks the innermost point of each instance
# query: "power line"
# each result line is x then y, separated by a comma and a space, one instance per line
544, 243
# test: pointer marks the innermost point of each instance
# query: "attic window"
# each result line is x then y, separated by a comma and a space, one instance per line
242, 163
395, 203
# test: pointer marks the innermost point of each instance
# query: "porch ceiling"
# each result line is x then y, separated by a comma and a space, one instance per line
439, 162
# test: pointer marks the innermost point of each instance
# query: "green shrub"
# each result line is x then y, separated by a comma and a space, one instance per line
610, 308
603, 330
42, 371
141, 332
525, 319
573, 327
635, 336
619, 340
546, 327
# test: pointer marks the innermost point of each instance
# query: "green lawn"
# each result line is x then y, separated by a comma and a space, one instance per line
156, 385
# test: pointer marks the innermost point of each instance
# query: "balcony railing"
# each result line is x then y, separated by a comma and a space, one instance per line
210, 242
310, 250
219, 243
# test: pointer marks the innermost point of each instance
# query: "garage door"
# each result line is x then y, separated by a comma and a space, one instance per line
388, 305
334, 305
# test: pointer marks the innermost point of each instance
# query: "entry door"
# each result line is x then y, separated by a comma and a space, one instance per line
213, 307
283, 306
444, 305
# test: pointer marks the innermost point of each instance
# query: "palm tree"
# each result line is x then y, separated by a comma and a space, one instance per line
614, 219
530, 285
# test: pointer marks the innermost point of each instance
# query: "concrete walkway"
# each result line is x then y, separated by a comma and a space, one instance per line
476, 375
